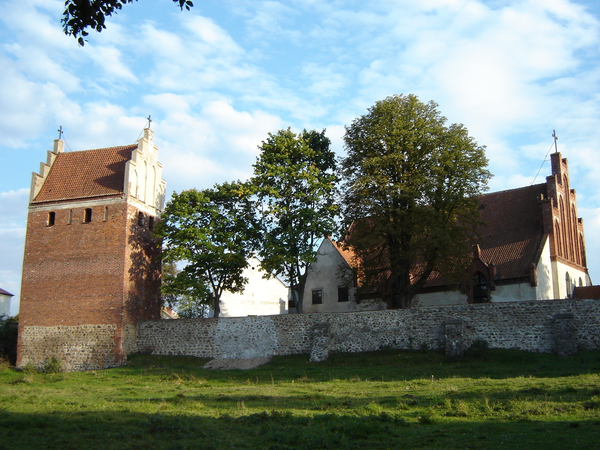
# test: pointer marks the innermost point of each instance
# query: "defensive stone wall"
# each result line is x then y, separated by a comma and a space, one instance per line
83, 347
561, 326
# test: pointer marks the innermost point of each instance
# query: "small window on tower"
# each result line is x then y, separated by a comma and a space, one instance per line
51, 218
87, 215
151, 224
141, 219
105, 213
70, 219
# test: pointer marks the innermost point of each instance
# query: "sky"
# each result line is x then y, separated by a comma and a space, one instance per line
217, 79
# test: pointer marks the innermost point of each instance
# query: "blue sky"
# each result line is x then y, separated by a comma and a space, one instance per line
217, 79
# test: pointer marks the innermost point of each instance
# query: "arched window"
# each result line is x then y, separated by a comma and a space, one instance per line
563, 222
568, 283
480, 288
558, 239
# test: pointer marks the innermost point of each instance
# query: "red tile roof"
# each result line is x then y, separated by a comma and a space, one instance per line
513, 229
86, 174
511, 235
587, 292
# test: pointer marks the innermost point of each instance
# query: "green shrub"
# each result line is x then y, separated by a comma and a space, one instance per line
9, 327
53, 365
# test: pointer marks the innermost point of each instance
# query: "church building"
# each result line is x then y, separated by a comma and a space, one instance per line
90, 270
531, 247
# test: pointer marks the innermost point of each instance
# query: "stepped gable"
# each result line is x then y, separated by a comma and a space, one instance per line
86, 174
512, 233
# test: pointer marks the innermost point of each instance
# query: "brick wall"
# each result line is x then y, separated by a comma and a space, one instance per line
527, 326
80, 274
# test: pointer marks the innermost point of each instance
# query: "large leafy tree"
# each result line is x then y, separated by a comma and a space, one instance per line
80, 15
209, 233
409, 196
295, 184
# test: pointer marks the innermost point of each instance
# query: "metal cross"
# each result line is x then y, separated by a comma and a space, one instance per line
60, 132
149, 121
555, 139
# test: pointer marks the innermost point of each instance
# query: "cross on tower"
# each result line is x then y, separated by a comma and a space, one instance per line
555, 139
60, 132
149, 120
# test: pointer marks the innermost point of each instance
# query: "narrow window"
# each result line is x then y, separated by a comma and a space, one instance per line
105, 213
151, 224
87, 216
141, 219
317, 296
51, 218
70, 219
569, 287
480, 288
342, 294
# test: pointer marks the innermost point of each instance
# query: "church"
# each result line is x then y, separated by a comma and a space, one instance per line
90, 267
531, 247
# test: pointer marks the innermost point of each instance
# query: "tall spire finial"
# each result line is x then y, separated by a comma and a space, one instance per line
60, 132
555, 139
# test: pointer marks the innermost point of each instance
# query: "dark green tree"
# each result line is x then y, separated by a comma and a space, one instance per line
409, 196
295, 184
209, 233
79, 15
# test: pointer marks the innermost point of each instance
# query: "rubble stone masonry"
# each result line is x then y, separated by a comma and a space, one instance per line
530, 326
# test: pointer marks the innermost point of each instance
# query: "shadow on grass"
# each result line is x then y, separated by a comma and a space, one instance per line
275, 430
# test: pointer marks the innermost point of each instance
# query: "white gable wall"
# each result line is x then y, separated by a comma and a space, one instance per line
261, 296
4, 305
328, 273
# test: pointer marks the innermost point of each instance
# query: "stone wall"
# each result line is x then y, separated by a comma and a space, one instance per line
538, 326
83, 347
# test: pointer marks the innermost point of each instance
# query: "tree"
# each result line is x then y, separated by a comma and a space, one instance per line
409, 196
210, 233
295, 184
79, 15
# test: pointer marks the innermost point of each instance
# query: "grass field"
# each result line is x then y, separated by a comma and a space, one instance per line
385, 400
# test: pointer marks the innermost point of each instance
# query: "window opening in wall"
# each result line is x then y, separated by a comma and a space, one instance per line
141, 219
480, 288
87, 215
105, 213
51, 218
342, 294
317, 296
580, 282
569, 287
151, 224
70, 220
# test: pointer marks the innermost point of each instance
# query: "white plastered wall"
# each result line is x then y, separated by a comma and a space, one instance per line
261, 296
143, 174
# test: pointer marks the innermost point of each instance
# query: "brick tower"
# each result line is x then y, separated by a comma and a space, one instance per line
90, 271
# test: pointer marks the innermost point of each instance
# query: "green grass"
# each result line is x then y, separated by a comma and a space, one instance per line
383, 400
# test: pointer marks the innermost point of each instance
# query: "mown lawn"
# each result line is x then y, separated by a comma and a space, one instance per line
383, 400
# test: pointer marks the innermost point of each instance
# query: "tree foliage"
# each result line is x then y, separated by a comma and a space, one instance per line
79, 15
409, 195
210, 233
294, 181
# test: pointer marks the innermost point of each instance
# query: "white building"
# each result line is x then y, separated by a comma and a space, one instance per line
5, 302
261, 296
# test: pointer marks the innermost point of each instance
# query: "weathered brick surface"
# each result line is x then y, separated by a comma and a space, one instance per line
520, 325
85, 274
